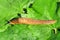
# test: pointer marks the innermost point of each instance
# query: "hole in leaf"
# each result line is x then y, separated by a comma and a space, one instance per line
19, 14
58, 29
30, 6
25, 10
55, 30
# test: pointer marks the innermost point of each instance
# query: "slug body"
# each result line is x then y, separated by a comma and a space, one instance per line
31, 21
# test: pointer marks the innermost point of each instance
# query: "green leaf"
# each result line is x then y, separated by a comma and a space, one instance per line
41, 10
26, 32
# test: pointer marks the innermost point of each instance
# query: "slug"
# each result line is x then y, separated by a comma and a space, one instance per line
31, 21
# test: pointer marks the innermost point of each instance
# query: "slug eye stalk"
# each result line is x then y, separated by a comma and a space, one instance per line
31, 21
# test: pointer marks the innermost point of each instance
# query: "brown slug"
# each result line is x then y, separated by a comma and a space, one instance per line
31, 21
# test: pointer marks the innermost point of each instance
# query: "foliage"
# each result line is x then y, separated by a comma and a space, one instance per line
41, 10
